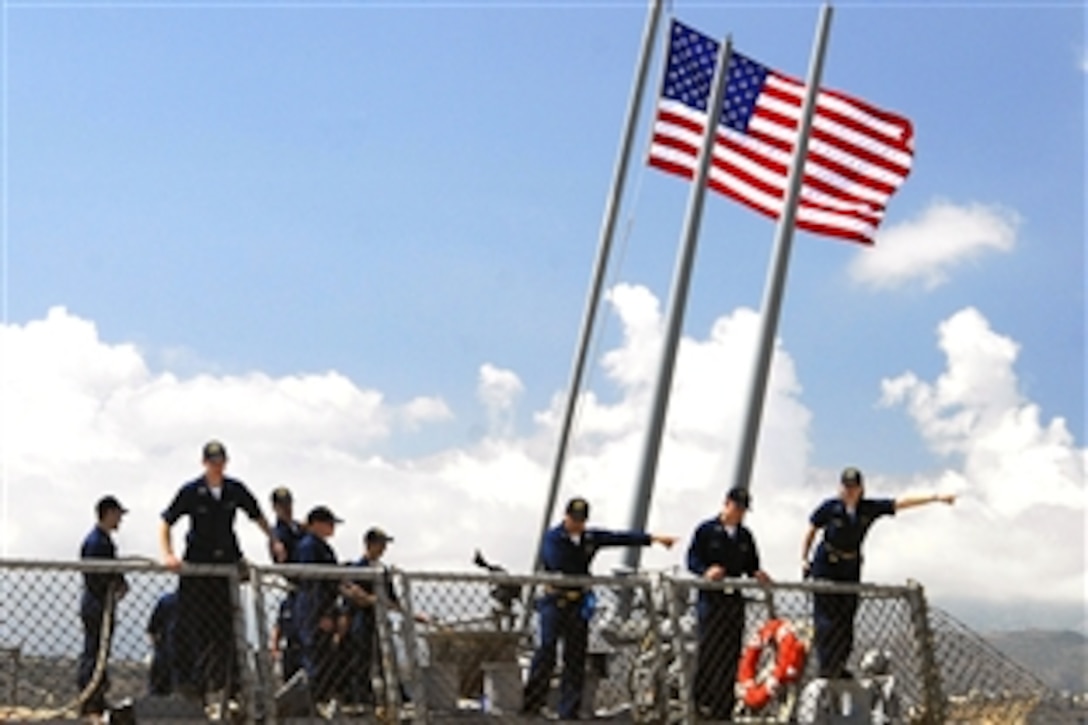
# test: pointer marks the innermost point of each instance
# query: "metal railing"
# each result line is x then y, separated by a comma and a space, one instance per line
75, 630
766, 639
281, 643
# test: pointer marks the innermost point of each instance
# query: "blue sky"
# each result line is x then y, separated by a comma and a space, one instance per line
404, 192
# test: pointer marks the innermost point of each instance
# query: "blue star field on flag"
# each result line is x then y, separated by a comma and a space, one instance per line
690, 71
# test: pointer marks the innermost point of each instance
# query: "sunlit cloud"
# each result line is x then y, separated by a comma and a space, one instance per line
499, 391
88, 417
926, 249
1020, 475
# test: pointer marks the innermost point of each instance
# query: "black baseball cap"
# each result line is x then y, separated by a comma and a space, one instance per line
214, 449
108, 503
578, 508
376, 535
740, 497
322, 513
851, 477
282, 495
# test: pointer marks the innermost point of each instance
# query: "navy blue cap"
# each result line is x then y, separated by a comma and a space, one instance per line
851, 477
740, 497
323, 513
214, 449
108, 503
376, 535
578, 508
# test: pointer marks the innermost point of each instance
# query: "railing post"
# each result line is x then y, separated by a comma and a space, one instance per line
411, 647
388, 656
661, 694
923, 637
241, 647
265, 689
15, 665
679, 646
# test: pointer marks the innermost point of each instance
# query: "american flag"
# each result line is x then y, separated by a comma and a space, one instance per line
858, 154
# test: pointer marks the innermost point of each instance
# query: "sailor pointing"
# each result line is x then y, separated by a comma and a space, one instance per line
845, 520
569, 549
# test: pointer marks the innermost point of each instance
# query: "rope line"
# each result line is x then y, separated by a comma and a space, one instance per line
101, 660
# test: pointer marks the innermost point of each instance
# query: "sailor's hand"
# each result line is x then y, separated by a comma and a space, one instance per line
715, 573
666, 541
948, 498
171, 562
806, 568
763, 577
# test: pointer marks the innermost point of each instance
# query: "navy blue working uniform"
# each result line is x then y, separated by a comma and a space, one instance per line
92, 607
203, 638
161, 630
291, 534
363, 640
720, 611
838, 559
315, 614
565, 616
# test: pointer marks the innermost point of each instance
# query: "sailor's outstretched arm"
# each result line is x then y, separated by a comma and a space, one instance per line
906, 502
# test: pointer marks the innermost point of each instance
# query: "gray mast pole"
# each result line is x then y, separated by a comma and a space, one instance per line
776, 275
681, 282
608, 228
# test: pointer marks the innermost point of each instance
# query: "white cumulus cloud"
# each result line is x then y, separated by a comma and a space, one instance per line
927, 248
84, 417
88, 417
1022, 478
499, 391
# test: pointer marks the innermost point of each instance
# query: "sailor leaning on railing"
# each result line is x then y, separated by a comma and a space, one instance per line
722, 547
204, 658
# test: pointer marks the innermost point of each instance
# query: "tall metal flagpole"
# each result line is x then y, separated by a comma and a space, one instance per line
608, 228
681, 282
776, 274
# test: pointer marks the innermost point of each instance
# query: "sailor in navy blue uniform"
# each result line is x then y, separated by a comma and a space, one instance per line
97, 590
565, 611
316, 604
290, 533
203, 637
362, 641
722, 547
845, 520
160, 630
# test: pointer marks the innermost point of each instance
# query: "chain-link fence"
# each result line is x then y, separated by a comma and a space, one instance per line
580, 650
807, 652
73, 634
307, 643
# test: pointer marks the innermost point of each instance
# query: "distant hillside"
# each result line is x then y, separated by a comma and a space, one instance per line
1016, 615
1058, 658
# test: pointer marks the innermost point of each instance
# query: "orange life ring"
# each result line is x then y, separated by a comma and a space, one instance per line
789, 664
